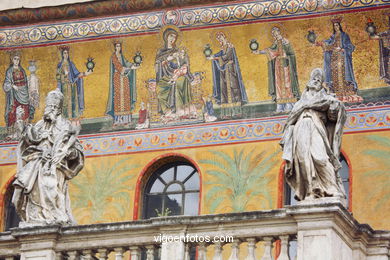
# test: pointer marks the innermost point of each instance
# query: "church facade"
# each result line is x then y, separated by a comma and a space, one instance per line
182, 106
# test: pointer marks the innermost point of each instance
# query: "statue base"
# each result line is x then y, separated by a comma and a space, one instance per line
323, 201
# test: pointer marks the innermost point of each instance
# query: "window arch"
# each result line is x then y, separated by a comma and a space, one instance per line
345, 174
11, 218
173, 189
169, 185
150, 174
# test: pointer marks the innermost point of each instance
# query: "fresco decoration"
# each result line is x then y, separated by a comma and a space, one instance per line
173, 77
107, 196
384, 47
176, 91
228, 85
210, 134
184, 18
33, 84
71, 84
380, 196
236, 181
16, 88
122, 87
338, 66
283, 84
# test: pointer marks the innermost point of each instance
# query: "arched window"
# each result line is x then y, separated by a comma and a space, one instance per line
173, 189
11, 218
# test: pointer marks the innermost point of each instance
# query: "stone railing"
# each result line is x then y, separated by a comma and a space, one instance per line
322, 232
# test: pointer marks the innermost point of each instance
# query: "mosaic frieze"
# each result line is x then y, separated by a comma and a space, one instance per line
229, 132
184, 18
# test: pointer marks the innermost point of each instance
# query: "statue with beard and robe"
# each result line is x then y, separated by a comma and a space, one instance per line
311, 143
49, 155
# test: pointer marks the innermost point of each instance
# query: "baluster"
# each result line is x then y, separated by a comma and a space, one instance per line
251, 249
187, 252
87, 254
59, 256
284, 246
103, 253
135, 253
267, 249
235, 250
150, 252
217, 251
72, 255
202, 251
119, 253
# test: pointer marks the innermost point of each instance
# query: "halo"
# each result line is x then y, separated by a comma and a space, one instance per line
14, 52
213, 38
61, 48
282, 29
173, 27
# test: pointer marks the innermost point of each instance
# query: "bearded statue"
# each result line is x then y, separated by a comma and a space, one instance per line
311, 143
49, 155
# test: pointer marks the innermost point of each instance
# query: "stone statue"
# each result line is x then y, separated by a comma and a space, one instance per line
49, 155
311, 143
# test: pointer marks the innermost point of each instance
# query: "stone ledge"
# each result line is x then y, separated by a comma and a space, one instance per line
324, 221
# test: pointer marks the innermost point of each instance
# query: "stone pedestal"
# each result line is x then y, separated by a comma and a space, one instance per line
172, 250
38, 255
323, 201
37, 243
321, 235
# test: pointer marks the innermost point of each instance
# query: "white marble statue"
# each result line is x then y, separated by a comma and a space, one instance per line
49, 155
311, 143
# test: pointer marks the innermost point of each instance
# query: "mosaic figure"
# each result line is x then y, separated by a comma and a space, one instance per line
154, 114
71, 84
33, 85
122, 95
16, 91
283, 84
173, 78
143, 117
209, 115
228, 86
338, 66
384, 52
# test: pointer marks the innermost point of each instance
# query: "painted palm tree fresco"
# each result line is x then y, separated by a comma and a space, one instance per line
381, 194
240, 181
102, 192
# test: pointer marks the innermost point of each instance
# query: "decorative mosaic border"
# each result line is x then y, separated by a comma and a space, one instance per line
230, 132
90, 9
184, 18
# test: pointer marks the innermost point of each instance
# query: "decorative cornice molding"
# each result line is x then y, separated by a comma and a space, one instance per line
221, 14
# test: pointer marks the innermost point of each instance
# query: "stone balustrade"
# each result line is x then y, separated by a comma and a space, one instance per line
324, 231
